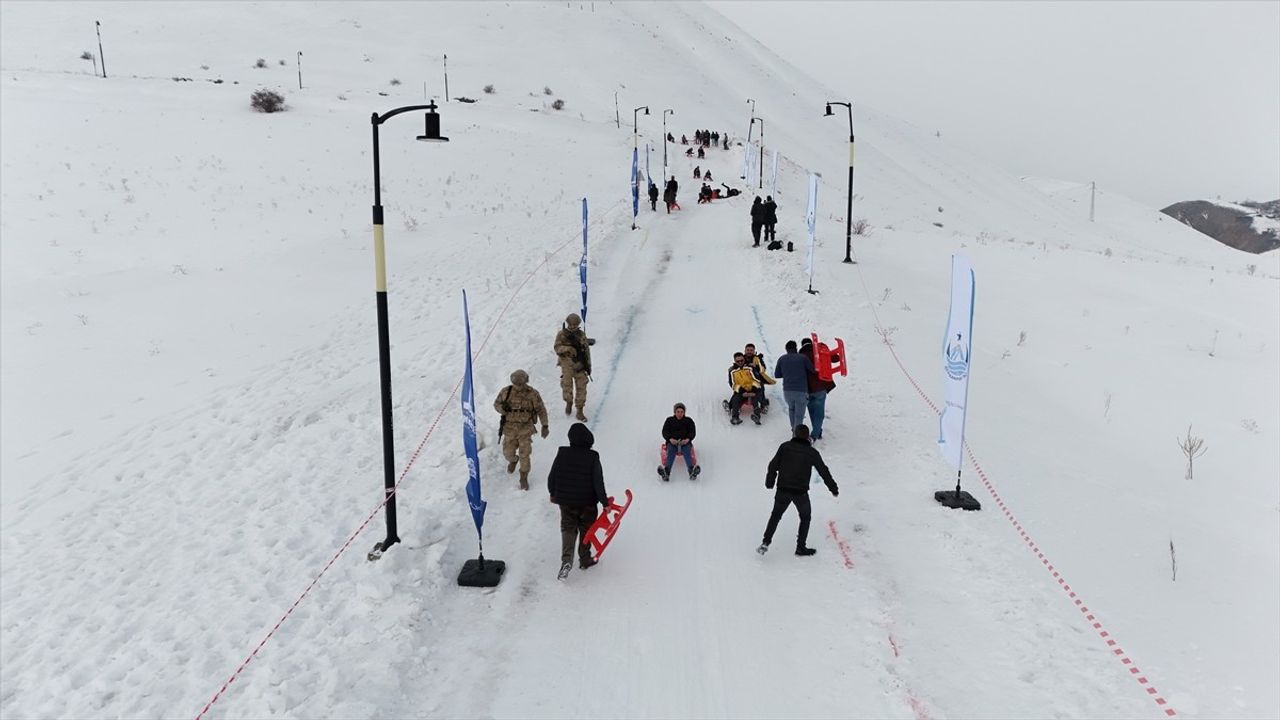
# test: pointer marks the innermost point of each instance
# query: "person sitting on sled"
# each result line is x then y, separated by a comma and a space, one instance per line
701, 153
747, 386
756, 360
707, 176
697, 172
677, 435
688, 153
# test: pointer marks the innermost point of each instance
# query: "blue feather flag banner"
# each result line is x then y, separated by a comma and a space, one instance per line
474, 497
635, 184
582, 264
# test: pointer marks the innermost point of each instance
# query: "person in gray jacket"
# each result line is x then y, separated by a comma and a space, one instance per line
794, 370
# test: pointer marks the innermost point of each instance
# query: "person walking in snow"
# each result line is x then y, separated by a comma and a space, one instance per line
576, 484
521, 408
794, 369
770, 219
818, 389
669, 195
697, 172
574, 356
757, 220
677, 435
701, 153
653, 196
791, 467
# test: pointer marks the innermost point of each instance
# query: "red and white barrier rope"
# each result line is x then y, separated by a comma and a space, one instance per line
1089, 616
409, 464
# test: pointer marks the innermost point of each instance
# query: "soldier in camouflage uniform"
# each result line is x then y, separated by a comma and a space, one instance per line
521, 408
575, 364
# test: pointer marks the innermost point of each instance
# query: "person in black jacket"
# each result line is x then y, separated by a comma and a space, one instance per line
677, 435
791, 466
576, 484
757, 220
653, 196
669, 194
769, 215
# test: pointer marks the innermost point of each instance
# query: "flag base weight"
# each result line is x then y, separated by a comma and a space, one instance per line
482, 573
957, 500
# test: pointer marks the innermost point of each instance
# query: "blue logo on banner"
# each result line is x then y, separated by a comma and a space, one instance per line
957, 359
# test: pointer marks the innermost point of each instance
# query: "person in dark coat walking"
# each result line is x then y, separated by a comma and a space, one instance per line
818, 389
653, 196
757, 221
669, 195
678, 433
791, 467
770, 218
576, 484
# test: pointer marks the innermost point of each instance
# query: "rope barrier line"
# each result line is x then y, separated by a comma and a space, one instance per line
404, 473
1089, 616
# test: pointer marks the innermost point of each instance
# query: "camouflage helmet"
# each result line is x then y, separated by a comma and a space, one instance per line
573, 320
519, 377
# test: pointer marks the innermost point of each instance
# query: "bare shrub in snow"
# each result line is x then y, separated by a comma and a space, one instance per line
267, 101
861, 227
465, 99
204, 67
261, 63
558, 104
1250, 425
489, 89
1193, 447
411, 223
395, 81
1107, 252
1251, 269
84, 319
547, 91
1022, 337
86, 55
283, 64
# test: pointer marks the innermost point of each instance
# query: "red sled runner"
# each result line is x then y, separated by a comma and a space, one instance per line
608, 524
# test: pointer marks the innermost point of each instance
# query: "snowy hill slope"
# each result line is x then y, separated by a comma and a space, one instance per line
190, 393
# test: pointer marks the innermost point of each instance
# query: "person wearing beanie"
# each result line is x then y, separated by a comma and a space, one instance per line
576, 484
790, 468
677, 439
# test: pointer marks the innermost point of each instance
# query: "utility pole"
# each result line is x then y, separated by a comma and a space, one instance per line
446, 77
1092, 187
299, 69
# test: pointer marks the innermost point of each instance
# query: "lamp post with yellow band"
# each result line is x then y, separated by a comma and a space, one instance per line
848, 220
431, 134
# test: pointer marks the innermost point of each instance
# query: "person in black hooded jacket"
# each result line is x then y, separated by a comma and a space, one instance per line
791, 467
576, 484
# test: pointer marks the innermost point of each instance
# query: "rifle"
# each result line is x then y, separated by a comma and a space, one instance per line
505, 409
581, 352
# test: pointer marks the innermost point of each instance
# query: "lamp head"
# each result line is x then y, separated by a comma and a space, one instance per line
646, 109
829, 113
432, 131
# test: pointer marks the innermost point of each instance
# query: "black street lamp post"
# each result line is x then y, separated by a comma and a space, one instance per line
97, 24
750, 126
755, 120
635, 124
431, 134
848, 220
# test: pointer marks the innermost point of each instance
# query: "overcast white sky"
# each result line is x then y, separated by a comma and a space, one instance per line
1161, 101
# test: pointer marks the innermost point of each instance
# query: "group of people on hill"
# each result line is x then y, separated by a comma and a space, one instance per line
576, 480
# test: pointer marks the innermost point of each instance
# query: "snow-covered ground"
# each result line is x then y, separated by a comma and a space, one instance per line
190, 391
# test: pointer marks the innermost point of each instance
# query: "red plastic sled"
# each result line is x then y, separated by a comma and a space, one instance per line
608, 523
828, 361
662, 454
